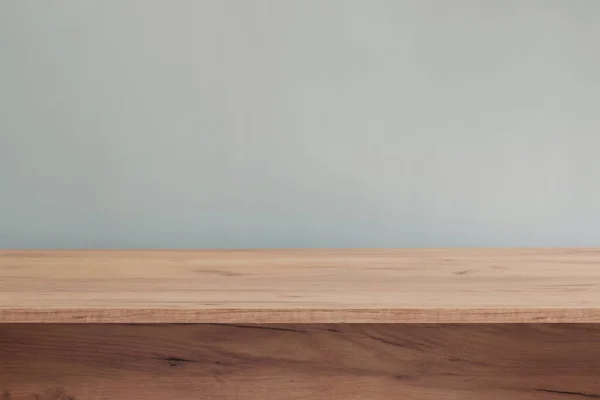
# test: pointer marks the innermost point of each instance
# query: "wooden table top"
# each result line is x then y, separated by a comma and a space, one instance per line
301, 286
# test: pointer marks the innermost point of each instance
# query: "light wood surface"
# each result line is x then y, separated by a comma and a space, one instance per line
299, 362
301, 286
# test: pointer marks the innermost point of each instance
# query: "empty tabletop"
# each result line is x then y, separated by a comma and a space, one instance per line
301, 286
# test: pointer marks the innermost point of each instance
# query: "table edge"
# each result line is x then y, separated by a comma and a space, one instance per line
300, 315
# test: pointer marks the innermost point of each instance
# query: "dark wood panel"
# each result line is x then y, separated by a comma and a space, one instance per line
251, 362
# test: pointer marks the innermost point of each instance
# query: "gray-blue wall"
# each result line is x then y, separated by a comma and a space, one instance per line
299, 123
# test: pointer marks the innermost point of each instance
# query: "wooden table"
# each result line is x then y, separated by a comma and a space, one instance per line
464, 324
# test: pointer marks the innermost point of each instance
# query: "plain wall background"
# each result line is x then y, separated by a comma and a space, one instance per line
299, 123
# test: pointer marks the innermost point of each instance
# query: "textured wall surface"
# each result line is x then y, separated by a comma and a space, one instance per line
299, 123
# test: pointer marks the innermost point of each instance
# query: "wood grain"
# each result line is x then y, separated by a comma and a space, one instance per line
301, 286
302, 361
